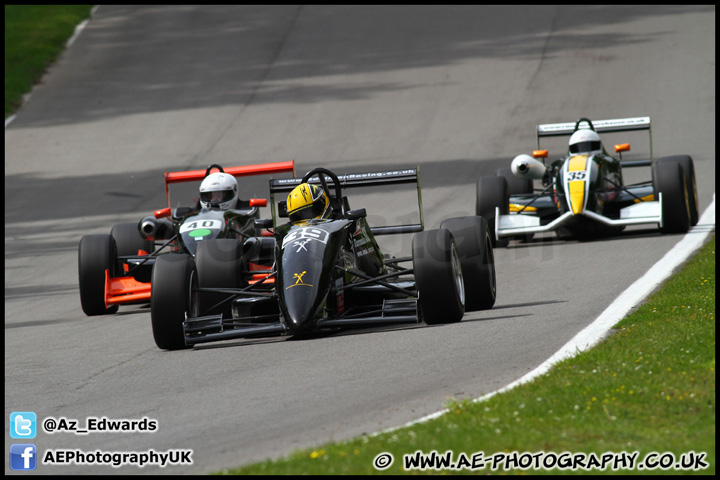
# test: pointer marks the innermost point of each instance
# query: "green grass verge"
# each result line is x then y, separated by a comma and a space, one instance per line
648, 388
34, 37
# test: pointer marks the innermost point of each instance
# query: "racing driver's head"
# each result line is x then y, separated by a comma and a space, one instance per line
306, 202
585, 141
219, 190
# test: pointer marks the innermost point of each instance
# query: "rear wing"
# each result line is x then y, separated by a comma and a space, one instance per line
352, 180
242, 171
600, 126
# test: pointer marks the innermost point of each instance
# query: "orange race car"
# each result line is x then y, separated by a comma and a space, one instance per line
116, 269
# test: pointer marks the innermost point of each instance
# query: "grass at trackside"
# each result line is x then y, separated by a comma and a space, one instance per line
34, 37
648, 388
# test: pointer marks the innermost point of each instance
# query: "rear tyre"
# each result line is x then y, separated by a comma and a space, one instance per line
96, 253
669, 180
492, 192
438, 277
173, 279
472, 239
688, 167
220, 264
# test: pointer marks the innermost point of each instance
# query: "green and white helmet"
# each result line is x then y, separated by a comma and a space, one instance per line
585, 141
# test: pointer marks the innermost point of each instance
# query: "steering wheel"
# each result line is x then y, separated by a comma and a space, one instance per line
321, 172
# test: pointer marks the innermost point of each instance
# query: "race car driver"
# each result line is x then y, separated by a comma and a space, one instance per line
219, 190
306, 202
585, 142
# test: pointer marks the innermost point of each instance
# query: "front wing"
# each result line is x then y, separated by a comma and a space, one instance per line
642, 213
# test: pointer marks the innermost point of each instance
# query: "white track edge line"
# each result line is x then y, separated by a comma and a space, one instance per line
632, 296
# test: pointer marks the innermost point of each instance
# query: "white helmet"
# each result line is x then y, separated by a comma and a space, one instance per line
585, 141
219, 190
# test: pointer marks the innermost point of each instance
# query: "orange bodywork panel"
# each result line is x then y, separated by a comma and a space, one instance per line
265, 273
264, 168
124, 290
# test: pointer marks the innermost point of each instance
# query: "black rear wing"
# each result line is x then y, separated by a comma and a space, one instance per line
600, 126
352, 180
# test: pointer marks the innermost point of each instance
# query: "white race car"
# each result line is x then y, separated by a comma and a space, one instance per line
583, 194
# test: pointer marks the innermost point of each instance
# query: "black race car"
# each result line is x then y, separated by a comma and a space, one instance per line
583, 194
116, 269
327, 274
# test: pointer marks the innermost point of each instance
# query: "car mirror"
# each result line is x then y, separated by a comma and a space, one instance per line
263, 223
356, 214
163, 212
282, 209
623, 147
182, 211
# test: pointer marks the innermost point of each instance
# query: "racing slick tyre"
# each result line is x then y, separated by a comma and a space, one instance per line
668, 179
220, 264
517, 186
472, 240
438, 277
129, 242
173, 279
686, 162
492, 192
96, 253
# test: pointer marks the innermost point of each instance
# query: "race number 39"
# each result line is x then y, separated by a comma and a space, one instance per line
307, 233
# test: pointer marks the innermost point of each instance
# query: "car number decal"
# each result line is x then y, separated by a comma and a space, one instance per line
201, 224
573, 176
306, 233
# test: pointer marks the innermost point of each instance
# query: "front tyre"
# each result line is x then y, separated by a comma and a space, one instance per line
474, 246
220, 264
96, 253
668, 179
173, 279
688, 167
492, 192
438, 277
129, 242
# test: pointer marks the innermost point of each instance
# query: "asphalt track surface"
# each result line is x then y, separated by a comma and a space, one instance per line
455, 90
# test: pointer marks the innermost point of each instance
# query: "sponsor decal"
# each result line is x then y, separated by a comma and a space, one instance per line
340, 296
298, 280
301, 245
349, 178
359, 238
